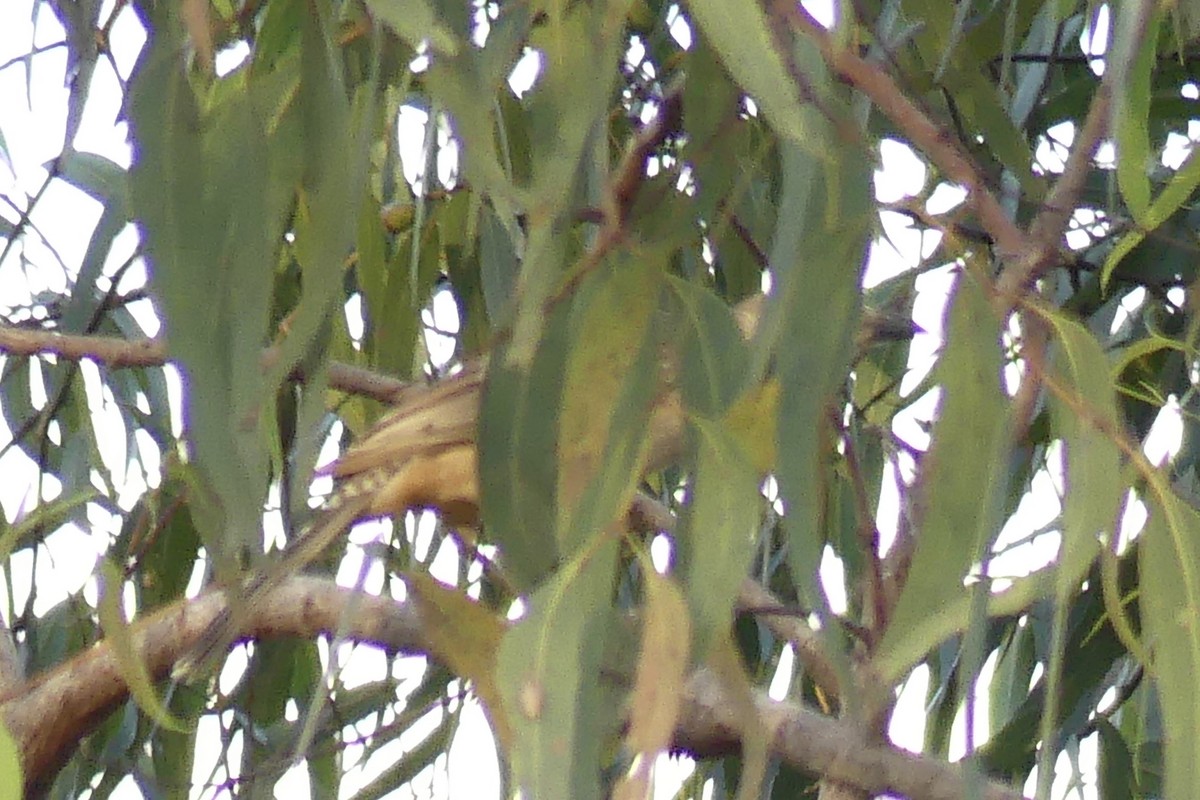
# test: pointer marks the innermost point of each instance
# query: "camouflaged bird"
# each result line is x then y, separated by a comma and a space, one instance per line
422, 454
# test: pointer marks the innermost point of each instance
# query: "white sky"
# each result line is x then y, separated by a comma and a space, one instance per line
32, 115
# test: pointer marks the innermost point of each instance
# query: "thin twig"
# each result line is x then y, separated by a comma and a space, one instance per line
117, 353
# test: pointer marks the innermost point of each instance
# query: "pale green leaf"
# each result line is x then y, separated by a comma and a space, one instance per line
741, 35
1170, 603
1085, 415
808, 329
549, 675
415, 21
11, 778
609, 381
965, 475
719, 534
1131, 57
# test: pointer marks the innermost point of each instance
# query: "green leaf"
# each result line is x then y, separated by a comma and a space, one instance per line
1132, 56
498, 265
713, 368
719, 532
741, 35
549, 675
103, 179
1085, 415
11, 778
212, 230
1170, 602
567, 124
126, 651
608, 383
1177, 192
808, 328
415, 21
415, 760
45, 517
965, 477
1084, 411
518, 428
1117, 776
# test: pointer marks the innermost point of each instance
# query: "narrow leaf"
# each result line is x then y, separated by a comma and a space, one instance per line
713, 366
1170, 597
742, 37
465, 637
808, 329
608, 386
126, 651
658, 681
965, 473
549, 676
1131, 56
416, 22
719, 531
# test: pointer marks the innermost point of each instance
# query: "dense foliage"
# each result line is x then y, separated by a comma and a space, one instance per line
640, 469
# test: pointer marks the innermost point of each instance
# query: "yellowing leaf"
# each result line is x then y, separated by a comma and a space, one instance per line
658, 681
465, 637
11, 778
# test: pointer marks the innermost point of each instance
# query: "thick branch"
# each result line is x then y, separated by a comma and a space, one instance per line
828, 747
50, 716
54, 712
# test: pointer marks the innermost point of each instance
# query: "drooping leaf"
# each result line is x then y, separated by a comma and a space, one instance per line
719, 534
713, 365
466, 637
742, 37
415, 21
965, 475
1131, 56
659, 677
518, 431
1168, 202
1170, 602
809, 327
212, 230
125, 651
549, 676
11, 779
608, 384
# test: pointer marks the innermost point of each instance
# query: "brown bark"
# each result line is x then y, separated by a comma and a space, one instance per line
48, 716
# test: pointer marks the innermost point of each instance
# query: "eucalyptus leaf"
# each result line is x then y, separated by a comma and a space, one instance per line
549, 676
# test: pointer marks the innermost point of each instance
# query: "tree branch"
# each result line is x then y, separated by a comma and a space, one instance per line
831, 748
925, 134
50, 715
117, 353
